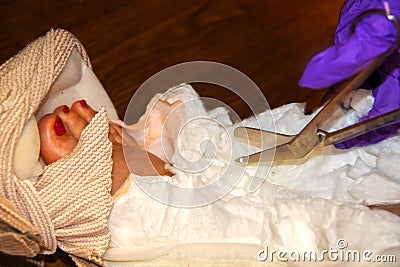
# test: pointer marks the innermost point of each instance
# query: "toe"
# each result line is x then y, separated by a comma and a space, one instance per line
73, 121
55, 139
115, 135
84, 110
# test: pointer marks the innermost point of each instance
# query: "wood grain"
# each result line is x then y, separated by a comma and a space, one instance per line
129, 41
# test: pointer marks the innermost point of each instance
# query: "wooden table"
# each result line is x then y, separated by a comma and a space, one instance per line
128, 41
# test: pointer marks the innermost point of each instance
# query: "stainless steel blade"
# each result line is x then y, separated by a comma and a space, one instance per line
297, 150
289, 153
261, 138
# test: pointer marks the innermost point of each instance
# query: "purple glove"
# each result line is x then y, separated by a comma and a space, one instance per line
373, 36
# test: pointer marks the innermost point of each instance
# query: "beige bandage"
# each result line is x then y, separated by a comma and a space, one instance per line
68, 206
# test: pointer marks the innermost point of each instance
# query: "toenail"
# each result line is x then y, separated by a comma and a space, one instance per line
59, 127
65, 109
83, 103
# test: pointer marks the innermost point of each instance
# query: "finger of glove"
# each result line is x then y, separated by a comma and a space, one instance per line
373, 36
387, 96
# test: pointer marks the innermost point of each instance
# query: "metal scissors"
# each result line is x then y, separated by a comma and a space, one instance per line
296, 148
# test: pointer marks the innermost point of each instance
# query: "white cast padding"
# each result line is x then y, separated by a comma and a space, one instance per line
27, 150
305, 207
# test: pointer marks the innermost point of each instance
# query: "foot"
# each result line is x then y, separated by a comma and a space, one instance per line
60, 132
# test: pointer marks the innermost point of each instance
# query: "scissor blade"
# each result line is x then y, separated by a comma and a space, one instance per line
293, 152
261, 138
266, 156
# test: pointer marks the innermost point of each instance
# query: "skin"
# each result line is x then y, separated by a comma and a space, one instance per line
60, 132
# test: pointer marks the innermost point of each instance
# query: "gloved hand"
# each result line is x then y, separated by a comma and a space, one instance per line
373, 36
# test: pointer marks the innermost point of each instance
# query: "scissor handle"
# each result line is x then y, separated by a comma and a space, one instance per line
362, 127
308, 137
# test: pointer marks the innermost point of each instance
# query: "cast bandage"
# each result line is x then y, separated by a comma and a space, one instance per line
69, 204
75, 191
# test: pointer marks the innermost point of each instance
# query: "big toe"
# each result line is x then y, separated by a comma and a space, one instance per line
82, 108
55, 140
73, 121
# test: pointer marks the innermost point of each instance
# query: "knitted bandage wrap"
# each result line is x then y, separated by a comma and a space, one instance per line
70, 204
17, 235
